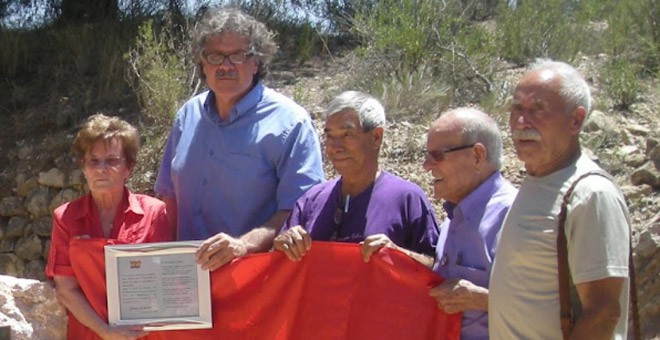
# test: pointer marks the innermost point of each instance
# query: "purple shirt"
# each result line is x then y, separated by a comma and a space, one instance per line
390, 206
468, 240
231, 176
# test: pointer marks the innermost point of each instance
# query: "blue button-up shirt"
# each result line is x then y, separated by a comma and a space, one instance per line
468, 240
233, 175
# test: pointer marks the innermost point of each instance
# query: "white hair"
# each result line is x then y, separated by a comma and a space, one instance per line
573, 87
369, 110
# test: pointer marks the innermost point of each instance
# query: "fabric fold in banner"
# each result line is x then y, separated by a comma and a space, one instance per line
330, 294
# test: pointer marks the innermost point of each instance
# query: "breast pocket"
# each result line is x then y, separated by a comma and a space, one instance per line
538, 238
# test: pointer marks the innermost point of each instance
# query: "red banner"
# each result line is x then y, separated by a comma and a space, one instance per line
330, 294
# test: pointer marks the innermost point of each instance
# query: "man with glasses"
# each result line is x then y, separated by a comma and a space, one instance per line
464, 156
364, 201
239, 155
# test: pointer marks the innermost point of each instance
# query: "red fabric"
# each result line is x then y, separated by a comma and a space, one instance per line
330, 294
140, 219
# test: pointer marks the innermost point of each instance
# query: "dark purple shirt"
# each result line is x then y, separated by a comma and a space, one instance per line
390, 206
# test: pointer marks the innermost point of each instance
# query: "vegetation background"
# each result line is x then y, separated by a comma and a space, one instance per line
63, 60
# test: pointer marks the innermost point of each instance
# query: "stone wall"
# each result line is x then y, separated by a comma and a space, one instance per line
25, 219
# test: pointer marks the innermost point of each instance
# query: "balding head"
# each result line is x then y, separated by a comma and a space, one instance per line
474, 126
464, 149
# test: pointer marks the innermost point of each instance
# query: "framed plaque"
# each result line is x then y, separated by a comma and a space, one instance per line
157, 285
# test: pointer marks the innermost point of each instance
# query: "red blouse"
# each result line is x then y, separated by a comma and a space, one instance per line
139, 219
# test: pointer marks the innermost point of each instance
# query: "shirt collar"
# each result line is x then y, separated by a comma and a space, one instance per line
476, 198
244, 105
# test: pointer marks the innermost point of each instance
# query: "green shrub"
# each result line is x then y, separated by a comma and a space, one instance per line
420, 49
634, 33
160, 72
307, 42
554, 29
162, 75
620, 80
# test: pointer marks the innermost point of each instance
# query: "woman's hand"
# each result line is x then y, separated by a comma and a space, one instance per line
123, 333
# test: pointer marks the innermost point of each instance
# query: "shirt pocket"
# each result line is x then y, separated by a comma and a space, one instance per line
536, 238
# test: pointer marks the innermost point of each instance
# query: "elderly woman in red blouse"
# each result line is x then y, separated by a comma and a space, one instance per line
106, 149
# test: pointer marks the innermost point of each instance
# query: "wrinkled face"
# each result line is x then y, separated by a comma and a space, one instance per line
455, 175
105, 167
541, 130
229, 81
348, 147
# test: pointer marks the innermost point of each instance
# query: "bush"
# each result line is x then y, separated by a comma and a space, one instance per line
421, 50
163, 77
160, 72
621, 82
556, 29
634, 33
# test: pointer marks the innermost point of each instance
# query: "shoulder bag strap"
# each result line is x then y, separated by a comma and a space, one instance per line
565, 311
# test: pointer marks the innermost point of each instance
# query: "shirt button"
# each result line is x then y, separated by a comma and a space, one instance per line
204, 181
211, 152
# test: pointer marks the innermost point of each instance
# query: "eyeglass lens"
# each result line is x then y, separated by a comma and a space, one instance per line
439, 155
98, 162
219, 58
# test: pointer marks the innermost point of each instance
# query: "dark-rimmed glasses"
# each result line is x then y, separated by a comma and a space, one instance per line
234, 58
111, 162
439, 155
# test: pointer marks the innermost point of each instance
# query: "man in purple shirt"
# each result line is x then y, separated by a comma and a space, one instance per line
364, 201
464, 151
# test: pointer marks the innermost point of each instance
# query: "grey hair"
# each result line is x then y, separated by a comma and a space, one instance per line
369, 110
216, 21
573, 87
477, 127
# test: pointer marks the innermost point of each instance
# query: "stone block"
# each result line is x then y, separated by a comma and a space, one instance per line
12, 206
16, 226
37, 202
52, 178
11, 265
31, 309
42, 226
29, 247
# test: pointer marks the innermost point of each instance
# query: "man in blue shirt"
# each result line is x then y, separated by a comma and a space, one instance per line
237, 156
464, 156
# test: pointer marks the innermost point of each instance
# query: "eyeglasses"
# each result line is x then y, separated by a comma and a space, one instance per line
111, 162
234, 58
439, 155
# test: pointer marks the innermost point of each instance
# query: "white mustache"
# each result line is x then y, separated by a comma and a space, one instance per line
526, 134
